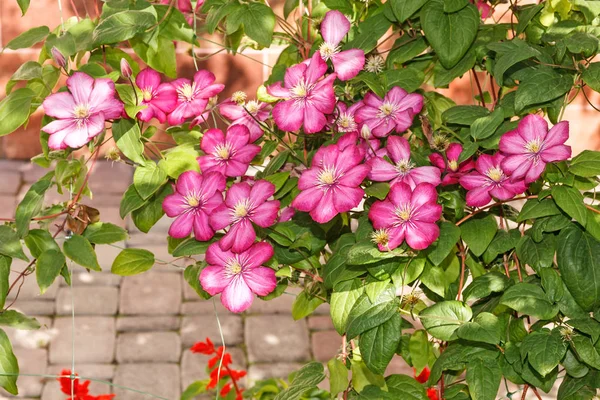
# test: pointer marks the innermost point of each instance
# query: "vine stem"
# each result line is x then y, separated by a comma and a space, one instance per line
461, 283
482, 209
525, 389
478, 87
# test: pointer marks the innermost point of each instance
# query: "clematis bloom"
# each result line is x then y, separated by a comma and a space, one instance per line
406, 214
489, 180
450, 165
81, 112
402, 169
196, 197
332, 184
193, 96
246, 114
306, 98
345, 121
243, 206
531, 146
230, 153
348, 63
238, 276
159, 98
394, 112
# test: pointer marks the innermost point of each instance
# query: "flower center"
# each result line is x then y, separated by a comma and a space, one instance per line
404, 166
327, 50
241, 209
403, 213
386, 109
380, 237
192, 199
252, 107
453, 165
533, 146
186, 92
81, 111
222, 151
301, 91
233, 266
327, 176
374, 64
346, 123
496, 174
239, 97
147, 94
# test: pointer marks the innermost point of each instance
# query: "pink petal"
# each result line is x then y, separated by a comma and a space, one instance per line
325, 210
265, 215
398, 148
348, 63
400, 194
165, 98
213, 182
396, 237
307, 199
512, 143
188, 182
395, 95
473, 180
174, 204
231, 110
261, 191
238, 192
240, 237
147, 79
514, 163
288, 116
211, 90
372, 100
484, 163
355, 176
420, 235
237, 296
235, 168
535, 172
220, 217
294, 74
501, 192
59, 125
346, 198
237, 136
316, 69
437, 160
557, 135
211, 139
79, 137
413, 103
314, 120
428, 213
217, 256
478, 197
453, 151
276, 90
213, 279
323, 96
533, 127
424, 193
556, 153
426, 174
213, 202
381, 214
101, 96
80, 85
247, 153
334, 27
261, 280
258, 254
57, 139
381, 170
182, 226
203, 79
59, 105
202, 229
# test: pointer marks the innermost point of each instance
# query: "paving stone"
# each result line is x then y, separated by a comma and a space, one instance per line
108, 177
325, 345
106, 254
111, 214
94, 340
33, 339
30, 289
31, 361
104, 372
257, 372
279, 305
202, 307
148, 346
52, 389
101, 200
88, 300
198, 328
323, 309
38, 307
82, 277
11, 181
32, 172
152, 293
273, 338
159, 379
7, 206
143, 324
139, 240
320, 323
193, 366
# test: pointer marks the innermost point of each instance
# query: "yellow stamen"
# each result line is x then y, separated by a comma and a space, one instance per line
403, 166
252, 107
147, 94
380, 237
233, 266
495, 174
222, 151
404, 212
81, 111
453, 165
241, 209
386, 110
533, 146
327, 176
186, 91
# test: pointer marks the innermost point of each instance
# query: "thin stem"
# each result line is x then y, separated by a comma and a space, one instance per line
478, 87
524, 395
463, 255
493, 205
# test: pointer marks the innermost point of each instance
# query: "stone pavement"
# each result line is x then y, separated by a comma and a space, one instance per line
136, 331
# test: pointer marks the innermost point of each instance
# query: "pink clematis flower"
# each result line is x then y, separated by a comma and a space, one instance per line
159, 98
238, 276
185, 6
450, 165
246, 114
286, 214
490, 180
195, 198
406, 215
244, 205
193, 96
484, 8
366, 146
307, 99
230, 154
402, 169
348, 63
529, 147
81, 112
344, 120
394, 112
332, 184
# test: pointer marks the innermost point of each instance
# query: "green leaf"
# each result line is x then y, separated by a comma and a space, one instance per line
542, 84
308, 377
526, 16
451, 6
79, 249
544, 350
520, 51
478, 233
148, 179
405, 49
16, 320
483, 379
304, 305
192, 277
10, 245
570, 200
194, 389
378, 345
370, 31
31, 204
378, 190
363, 377
585, 351
23, 5
404, 9
449, 236
259, 21
14, 110
4, 278
405, 387
484, 285
409, 79
578, 259
443, 77
365, 252
485, 327
450, 35
131, 201
535, 208
588, 326
9, 367
48, 267
338, 376
104, 233
442, 319
486, 126
28, 71
276, 163
28, 38
529, 299
591, 76
40, 240
132, 262
537, 255
343, 298
127, 137
191, 247
420, 350
122, 26
586, 164
366, 315
464, 115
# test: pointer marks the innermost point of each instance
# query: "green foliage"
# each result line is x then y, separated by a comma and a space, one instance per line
132, 262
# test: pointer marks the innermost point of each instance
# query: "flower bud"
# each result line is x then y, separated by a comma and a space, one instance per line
239, 97
374, 64
58, 57
113, 154
365, 132
126, 69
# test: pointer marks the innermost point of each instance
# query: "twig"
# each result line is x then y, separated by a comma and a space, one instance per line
478, 87
494, 205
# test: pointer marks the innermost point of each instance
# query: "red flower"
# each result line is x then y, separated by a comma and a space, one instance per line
423, 376
203, 348
432, 394
216, 359
80, 390
226, 389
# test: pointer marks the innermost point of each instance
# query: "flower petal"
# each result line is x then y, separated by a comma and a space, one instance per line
400, 194
202, 229
420, 235
307, 199
428, 213
261, 280
189, 182
398, 148
261, 191
147, 79
288, 115
355, 176
334, 27
211, 139
217, 256
381, 214
557, 135
213, 279
59, 105
426, 174
258, 254
325, 210
80, 85
316, 69
182, 226
213, 182
381, 170
424, 193
346, 198
237, 296
478, 197
314, 120
174, 204
348, 63
220, 217
265, 215
533, 127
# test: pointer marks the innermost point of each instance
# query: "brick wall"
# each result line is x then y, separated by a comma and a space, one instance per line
241, 72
